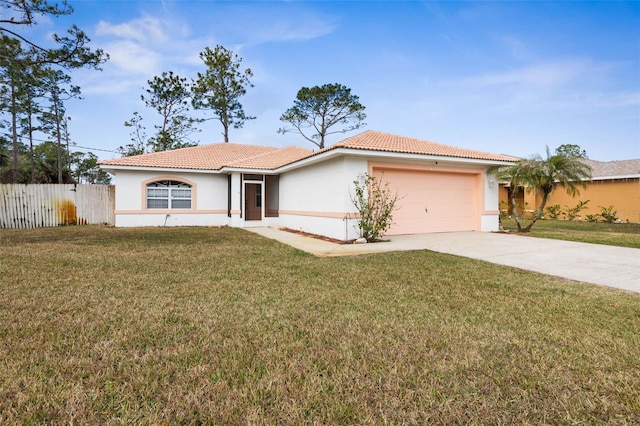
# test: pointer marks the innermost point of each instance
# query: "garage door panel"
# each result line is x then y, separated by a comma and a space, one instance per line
432, 201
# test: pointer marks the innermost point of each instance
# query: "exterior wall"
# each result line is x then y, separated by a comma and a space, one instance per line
623, 194
316, 199
236, 220
505, 204
208, 200
490, 216
503, 199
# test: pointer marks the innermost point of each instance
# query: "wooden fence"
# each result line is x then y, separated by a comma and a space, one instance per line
37, 206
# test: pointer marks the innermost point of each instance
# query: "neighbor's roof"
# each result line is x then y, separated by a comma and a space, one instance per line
605, 169
379, 141
205, 157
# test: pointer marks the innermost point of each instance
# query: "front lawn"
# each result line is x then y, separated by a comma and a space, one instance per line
613, 234
221, 326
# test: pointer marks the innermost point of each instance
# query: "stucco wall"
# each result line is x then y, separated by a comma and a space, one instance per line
208, 203
490, 217
316, 198
623, 194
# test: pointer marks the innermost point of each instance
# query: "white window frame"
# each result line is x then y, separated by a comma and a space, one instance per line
176, 192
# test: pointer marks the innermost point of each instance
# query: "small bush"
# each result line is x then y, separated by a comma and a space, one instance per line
572, 213
504, 209
554, 211
608, 214
592, 217
375, 204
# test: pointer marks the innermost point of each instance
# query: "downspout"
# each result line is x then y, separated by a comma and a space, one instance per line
346, 219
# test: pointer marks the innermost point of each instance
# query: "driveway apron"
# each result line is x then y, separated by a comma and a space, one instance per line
610, 266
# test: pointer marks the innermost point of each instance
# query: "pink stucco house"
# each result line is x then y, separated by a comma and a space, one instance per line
442, 188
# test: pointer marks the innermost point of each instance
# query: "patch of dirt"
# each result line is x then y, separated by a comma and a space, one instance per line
331, 240
318, 237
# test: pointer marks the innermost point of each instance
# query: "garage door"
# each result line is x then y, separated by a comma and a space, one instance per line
432, 201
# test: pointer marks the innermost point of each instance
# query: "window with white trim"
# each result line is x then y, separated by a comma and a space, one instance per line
168, 194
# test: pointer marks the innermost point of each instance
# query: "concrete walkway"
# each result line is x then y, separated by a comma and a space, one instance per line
610, 266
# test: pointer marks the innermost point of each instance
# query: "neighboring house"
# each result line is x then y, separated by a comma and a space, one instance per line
441, 188
613, 183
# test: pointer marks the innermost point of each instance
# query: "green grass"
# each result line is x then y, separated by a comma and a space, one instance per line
613, 234
220, 326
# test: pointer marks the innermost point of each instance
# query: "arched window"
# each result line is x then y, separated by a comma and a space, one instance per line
168, 194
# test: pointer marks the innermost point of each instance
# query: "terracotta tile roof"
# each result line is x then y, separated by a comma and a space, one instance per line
380, 141
272, 159
603, 169
220, 155
205, 157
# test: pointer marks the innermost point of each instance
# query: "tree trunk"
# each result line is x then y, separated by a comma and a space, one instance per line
59, 136
14, 133
66, 135
514, 205
32, 161
224, 119
536, 216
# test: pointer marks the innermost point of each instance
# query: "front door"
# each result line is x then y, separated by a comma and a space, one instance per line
253, 201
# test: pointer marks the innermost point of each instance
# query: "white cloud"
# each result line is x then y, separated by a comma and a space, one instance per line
268, 23
141, 48
544, 75
143, 30
289, 30
132, 57
111, 87
597, 100
517, 48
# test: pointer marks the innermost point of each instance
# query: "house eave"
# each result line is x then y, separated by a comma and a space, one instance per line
223, 170
387, 155
248, 170
617, 177
316, 158
109, 168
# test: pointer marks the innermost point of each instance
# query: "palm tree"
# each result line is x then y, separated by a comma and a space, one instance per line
543, 175
511, 176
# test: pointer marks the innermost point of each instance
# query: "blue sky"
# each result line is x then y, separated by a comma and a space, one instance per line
503, 77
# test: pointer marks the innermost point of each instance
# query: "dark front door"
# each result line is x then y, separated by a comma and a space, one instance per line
253, 201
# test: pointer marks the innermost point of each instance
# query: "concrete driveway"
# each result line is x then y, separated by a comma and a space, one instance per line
609, 266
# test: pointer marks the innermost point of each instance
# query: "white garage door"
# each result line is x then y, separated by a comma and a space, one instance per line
433, 201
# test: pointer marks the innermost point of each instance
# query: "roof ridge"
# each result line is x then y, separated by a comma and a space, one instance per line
278, 151
388, 142
275, 150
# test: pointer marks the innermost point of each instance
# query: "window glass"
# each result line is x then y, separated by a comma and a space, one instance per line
253, 177
157, 204
181, 204
181, 193
168, 194
157, 192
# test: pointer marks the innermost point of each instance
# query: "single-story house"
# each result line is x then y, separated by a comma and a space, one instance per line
613, 183
441, 188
